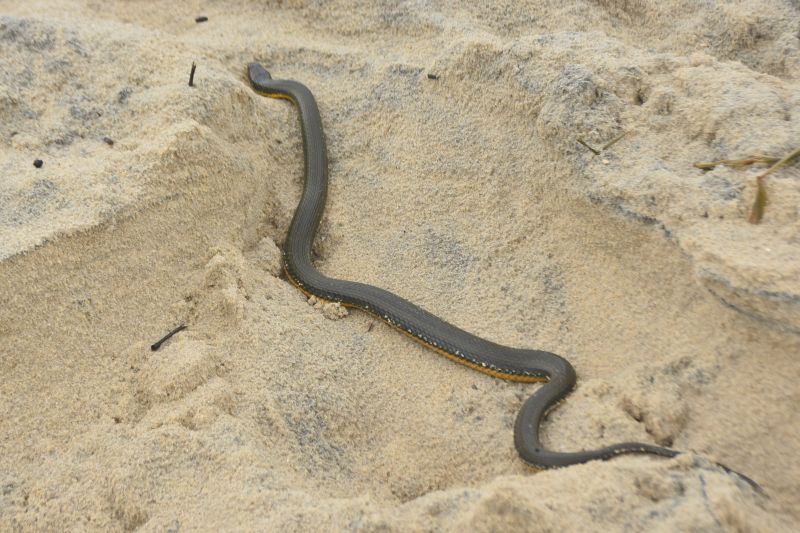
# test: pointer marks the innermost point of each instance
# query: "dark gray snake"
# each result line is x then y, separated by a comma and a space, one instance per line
512, 364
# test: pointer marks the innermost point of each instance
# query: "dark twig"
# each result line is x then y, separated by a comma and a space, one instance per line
191, 74
595, 152
609, 144
166, 337
613, 141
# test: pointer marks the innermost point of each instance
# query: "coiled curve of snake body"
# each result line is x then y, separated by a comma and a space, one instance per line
512, 364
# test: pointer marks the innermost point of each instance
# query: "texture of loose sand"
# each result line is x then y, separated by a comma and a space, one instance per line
466, 192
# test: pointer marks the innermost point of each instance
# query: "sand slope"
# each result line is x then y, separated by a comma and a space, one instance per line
467, 193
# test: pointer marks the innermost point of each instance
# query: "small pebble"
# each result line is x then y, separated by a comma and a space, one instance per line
38, 163
201, 19
432, 76
108, 140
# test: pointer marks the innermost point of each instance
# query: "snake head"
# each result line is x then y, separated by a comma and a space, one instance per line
258, 75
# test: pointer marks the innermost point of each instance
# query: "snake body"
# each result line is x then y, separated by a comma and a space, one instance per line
514, 364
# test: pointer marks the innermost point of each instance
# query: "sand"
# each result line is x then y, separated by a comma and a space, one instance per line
457, 182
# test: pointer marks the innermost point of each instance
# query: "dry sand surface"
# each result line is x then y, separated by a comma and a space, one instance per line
457, 182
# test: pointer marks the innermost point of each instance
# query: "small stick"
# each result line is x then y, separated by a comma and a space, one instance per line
595, 152
609, 144
191, 75
369, 328
760, 202
737, 163
614, 141
782, 162
757, 211
166, 337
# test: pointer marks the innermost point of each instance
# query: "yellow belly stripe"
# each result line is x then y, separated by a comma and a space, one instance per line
475, 366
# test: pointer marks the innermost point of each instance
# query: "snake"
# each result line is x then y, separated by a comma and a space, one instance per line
556, 374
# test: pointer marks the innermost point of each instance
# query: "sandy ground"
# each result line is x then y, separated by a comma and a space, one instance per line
456, 181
